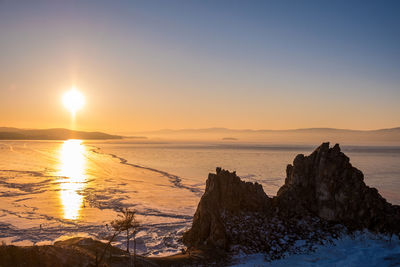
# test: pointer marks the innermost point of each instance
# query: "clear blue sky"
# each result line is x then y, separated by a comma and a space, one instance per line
190, 64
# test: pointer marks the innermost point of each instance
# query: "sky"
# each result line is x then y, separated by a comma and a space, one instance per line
148, 65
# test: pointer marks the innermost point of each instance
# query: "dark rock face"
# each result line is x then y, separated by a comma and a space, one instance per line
326, 185
320, 190
225, 194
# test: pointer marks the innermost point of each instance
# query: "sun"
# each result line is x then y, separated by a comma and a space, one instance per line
73, 100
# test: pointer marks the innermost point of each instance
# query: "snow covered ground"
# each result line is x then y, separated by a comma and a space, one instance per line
360, 249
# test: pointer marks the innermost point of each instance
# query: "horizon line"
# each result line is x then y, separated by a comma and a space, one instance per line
209, 128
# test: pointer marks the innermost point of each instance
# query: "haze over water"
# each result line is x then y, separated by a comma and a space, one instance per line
52, 190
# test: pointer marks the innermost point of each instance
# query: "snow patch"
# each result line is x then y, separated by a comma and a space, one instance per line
358, 249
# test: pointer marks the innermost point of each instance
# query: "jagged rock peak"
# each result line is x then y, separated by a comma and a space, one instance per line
225, 194
321, 190
233, 194
325, 184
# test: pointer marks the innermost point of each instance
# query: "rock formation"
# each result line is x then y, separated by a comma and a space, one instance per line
225, 194
322, 192
326, 185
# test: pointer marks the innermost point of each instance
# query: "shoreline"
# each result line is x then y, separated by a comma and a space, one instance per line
82, 251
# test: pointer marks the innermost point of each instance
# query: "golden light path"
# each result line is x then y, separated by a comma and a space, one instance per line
73, 171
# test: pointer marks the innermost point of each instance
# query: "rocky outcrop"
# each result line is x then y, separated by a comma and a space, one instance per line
322, 192
325, 184
225, 195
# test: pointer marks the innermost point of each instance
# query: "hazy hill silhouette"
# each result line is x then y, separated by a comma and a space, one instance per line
8, 133
307, 135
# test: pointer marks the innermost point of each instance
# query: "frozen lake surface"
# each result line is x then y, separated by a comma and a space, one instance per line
54, 190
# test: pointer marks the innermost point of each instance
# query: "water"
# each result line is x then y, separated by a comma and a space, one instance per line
53, 190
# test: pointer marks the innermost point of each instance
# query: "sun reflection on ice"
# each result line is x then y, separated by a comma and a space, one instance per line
72, 168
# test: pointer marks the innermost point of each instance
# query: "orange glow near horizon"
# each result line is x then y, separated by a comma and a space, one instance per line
72, 170
260, 66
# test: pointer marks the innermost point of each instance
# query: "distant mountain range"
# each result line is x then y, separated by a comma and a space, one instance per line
308, 135
7, 133
302, 130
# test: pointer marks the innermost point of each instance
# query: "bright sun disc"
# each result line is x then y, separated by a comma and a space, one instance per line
73, 100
